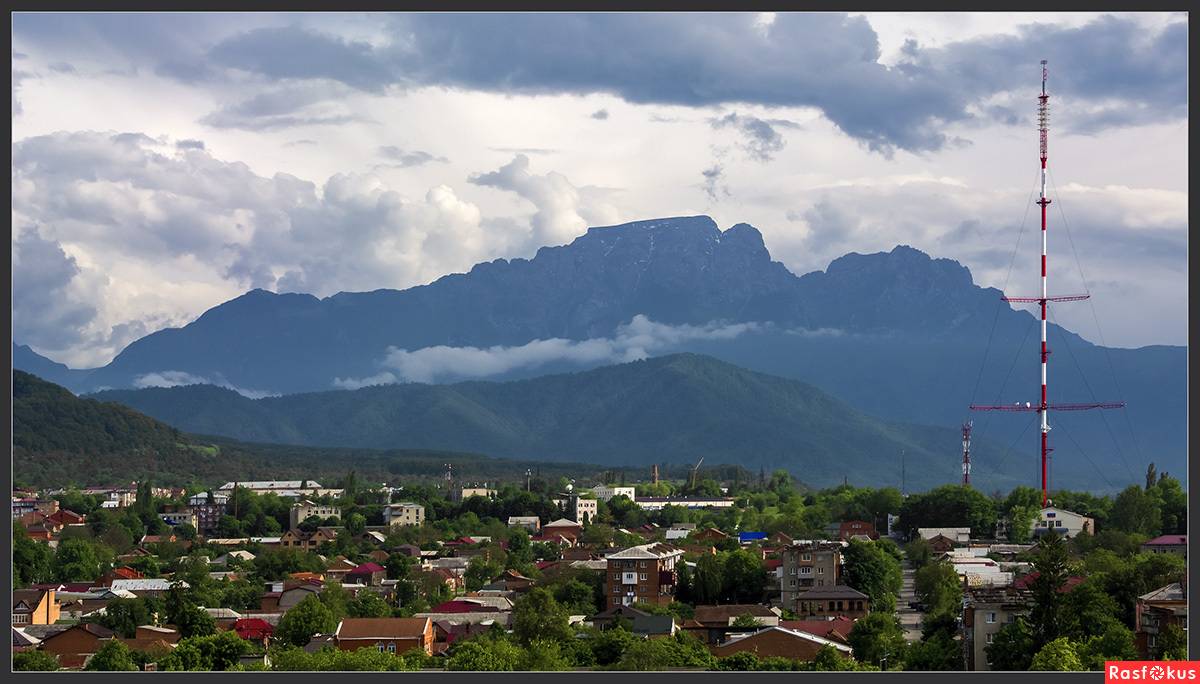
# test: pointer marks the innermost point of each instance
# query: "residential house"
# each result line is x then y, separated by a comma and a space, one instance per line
369, 573
808, 564
1154, 612
778, 642
985, 611
640, 623
1063, 522
832, 601
851, 528
565, 528
34, 607
406, 513
256, 630
837, 629
23, 641
940, 543
74, 645
305, 509
146, 586
474, 604
391, 635
529, 522
121, 573
1167, 543
959, 535
712, 624
65, 518
294, 593
642, 574
511, 580
710, 535
339, 568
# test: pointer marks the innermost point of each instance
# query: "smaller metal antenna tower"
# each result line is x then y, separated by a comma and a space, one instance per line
654, 473
966, 433
903, 491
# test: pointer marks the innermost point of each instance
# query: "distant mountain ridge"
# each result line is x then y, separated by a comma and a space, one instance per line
905, 337
674, 409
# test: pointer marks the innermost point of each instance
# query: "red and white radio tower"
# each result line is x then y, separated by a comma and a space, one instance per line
1043, 407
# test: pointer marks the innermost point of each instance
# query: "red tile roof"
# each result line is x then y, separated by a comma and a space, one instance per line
1168, 540
382, 628
837, 629
253, 628
1026, 582
368, 568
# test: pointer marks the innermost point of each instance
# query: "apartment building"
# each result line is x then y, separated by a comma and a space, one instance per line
985, 611
642, 574
808, 565
405, 513
306, 509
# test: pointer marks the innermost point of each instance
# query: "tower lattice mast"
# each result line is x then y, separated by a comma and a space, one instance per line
1043, 407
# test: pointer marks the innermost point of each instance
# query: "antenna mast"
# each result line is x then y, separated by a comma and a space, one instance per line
1044, 407
966, 439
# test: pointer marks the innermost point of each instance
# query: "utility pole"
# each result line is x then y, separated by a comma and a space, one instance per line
1043, 407
966, 441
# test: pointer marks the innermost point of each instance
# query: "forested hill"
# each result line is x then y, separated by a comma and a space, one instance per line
60, 439
672, 409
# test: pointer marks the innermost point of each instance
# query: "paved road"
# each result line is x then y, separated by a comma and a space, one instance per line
909, 618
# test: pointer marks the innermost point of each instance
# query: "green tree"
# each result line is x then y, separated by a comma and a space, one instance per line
125, 615
537, 616
1114, 643
183, 611
113, 656
34, 661
1051, 562
485, 655
336, 599
708, 581
746, 621
1136, 511
1058, 655
1172, 644
368, 604
877, 637
1012, 647
544, 655
33, 561
210, 653
309, 617
480, 571
937, 586
745, 577
78, 560
609, 645
869, 568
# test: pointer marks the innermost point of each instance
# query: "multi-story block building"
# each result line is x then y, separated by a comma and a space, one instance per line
604, 492
405, 513
303, 510
1154, 612
985, 611
180, 515
208, 509
808, 565
642, 574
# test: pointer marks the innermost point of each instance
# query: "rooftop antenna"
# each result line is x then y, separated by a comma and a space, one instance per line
966, 441
1043, 408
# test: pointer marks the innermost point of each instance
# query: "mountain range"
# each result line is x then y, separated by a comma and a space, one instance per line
673, 409
897, 335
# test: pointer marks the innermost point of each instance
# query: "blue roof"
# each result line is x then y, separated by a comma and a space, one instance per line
750, 536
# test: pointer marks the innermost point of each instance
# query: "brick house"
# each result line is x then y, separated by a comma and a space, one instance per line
563, 527
641, 574
773, 642
837, 629
1167, 543
390, 635
712, 624
843, 531
833, 601
34, 607
711, 535
73, 645
369, 573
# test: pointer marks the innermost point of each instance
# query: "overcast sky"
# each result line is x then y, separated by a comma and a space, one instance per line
163, 164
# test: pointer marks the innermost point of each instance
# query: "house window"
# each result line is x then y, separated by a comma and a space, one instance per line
379, 647
805, 557
792, 571
642, 576
1058, 523
616, 589
1153, 641
391, 648
642, 564
793, 583
988, 638
806, 570
991, 618
821, 571
820, 583
839, 605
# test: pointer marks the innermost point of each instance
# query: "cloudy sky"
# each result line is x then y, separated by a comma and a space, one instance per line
163, 164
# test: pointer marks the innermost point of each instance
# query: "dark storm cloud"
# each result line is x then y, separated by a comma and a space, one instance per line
823, 60
713, 184
406, 158
600, 114
45, 311
190, 144
311, 103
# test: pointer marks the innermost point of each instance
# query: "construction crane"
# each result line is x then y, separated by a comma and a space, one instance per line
695, 471
1043, 407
